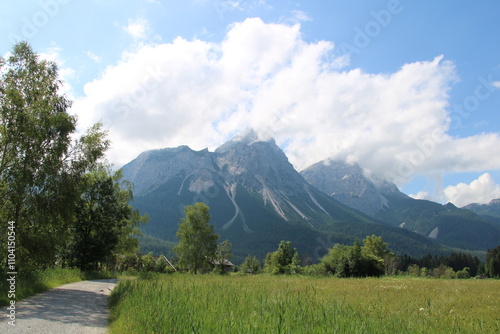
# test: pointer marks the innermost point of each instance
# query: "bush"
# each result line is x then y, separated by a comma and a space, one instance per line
284, 261
350, 261
464, 273
251, 265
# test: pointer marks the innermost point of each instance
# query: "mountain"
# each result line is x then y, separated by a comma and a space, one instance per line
447, 224
489, 212
256, 199
347, 184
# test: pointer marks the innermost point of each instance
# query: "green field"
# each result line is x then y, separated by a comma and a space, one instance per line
183, 303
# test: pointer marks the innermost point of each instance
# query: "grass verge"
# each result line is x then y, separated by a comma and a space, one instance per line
31, 283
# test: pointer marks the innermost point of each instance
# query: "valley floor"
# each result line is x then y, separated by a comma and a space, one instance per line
182, 303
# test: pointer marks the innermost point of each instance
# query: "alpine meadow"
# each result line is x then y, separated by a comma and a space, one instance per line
250, 166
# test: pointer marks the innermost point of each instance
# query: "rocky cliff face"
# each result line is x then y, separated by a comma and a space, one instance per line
347, 184
153, 168
260, 167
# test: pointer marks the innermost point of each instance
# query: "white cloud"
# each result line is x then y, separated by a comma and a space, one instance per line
93, 56
267, 77
301, 16
496, 84
482, 190
137, 28
421, 195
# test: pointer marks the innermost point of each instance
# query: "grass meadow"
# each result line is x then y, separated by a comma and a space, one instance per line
182, 303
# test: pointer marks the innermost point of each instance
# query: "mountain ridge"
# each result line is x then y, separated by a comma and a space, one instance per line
256, 199
451, 226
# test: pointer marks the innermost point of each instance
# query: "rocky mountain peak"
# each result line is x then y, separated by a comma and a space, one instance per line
244, 140
163, 164
347, 183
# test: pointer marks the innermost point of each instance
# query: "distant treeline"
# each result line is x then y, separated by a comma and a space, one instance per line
455, 261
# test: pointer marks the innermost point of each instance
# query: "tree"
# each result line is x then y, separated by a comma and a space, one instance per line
39, 172
336, 261
197, 239
283, 261
464, 273
104, 223
351, 261
375, 247
492, 266
251, 265
148, 262
222, 256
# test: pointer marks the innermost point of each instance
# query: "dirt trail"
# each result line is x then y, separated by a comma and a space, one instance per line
72, 308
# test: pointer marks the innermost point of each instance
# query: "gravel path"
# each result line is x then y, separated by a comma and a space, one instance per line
72, 308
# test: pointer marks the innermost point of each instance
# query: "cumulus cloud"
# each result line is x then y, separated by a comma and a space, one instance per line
266, 77
481, 190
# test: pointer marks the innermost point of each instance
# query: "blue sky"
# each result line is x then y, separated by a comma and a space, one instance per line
410, 90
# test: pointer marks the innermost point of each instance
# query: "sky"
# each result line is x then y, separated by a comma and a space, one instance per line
409, 90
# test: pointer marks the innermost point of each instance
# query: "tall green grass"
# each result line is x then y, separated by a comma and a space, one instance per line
269, 304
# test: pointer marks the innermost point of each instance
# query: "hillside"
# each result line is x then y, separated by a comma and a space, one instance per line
489, 212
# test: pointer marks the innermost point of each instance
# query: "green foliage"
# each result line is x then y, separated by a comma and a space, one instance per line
456, 261
375, 246
463, 274
493, 262
197, 240
148, 262
442, 272
314, 270
40, 167
251, 265
149, 243
161, 265
356, 261
222, 256
134, 263
104, 221
414, 270
34, 137
283, 261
